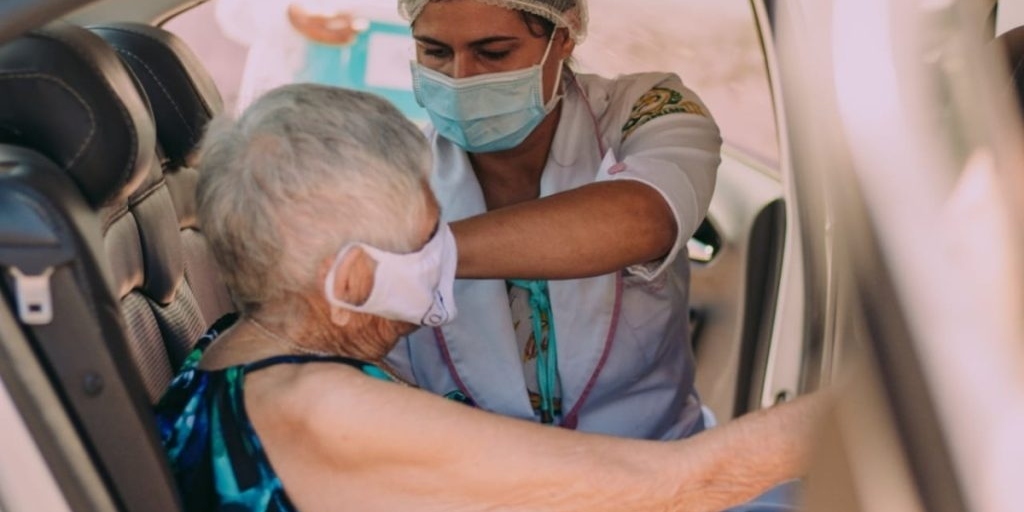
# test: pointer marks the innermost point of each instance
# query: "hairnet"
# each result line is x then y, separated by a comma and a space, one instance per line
571, 14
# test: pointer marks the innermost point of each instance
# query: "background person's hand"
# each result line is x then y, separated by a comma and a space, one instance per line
339, 28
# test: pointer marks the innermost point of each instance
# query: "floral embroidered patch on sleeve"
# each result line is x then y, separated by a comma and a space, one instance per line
656, 103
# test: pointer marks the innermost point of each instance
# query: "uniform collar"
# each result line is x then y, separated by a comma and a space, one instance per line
578, 131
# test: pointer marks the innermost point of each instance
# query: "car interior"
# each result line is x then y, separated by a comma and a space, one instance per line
108, 277
108, 282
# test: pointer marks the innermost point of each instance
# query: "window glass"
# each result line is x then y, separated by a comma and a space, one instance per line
250, 46
221, 56
713, 46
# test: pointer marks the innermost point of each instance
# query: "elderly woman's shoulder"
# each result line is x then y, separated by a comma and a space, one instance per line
305, 390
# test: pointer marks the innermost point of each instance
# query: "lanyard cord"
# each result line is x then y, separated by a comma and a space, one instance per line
540, 308
547, 353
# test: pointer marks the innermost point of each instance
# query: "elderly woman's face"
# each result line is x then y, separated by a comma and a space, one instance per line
363, 267
464, 38
426, 230
356, 285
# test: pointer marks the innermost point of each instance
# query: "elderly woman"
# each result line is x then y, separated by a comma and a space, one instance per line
317, 208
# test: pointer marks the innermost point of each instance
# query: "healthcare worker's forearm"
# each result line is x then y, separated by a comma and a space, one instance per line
595, 229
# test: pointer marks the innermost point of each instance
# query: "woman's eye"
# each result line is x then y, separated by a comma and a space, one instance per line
437, 53
491, 55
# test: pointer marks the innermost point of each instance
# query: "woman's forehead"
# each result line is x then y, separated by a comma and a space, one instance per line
469, 19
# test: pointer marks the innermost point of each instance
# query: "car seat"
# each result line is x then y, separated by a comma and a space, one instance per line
183, 98
81, 248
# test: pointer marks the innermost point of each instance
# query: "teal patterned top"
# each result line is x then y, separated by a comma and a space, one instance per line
215, 454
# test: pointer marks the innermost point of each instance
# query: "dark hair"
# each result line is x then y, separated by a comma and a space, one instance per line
538, 26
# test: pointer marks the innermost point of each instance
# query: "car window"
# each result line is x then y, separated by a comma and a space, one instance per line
713, 46
250, 46
223, 57
1009, 15
253, 46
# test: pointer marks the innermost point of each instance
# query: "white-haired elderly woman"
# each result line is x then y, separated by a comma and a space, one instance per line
571, 197
317, 208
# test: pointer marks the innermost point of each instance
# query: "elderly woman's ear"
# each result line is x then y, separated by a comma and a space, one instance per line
353, 282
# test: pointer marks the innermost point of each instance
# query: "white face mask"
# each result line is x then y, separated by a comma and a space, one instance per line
416, 287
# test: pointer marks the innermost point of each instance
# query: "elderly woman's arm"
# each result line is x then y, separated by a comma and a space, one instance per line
372, 445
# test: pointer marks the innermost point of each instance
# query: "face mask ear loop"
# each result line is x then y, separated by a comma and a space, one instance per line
558, 78
551, 41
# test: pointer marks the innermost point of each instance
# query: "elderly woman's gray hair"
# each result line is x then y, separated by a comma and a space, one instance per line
306, 169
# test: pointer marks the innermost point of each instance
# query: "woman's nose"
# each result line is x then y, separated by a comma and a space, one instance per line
463, 65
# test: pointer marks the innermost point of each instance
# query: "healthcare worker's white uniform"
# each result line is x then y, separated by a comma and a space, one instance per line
625, 361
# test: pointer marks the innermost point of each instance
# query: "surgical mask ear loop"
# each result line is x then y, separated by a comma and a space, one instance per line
550, 105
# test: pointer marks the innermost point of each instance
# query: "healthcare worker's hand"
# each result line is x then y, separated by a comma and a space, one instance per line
339, 28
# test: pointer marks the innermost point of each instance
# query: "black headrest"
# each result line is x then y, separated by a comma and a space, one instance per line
65, 93
182, 94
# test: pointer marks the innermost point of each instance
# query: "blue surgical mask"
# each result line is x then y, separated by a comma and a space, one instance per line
485, 113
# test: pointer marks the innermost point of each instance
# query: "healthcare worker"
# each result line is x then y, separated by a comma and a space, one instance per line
571, 197
357, 44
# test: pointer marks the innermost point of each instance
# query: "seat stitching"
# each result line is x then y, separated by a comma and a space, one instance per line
118, 100
151, 37
114, 216
161, 183
167, 93
81, 100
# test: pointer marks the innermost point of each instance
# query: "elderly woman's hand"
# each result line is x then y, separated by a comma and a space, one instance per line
339, 28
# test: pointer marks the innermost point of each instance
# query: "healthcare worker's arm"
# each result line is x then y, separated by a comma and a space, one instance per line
646, 203
595, 229
374, 445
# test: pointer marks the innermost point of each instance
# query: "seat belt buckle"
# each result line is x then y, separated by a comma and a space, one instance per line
32, 293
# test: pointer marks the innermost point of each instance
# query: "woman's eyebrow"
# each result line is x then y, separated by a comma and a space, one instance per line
492, 39
429, 40
479, 42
